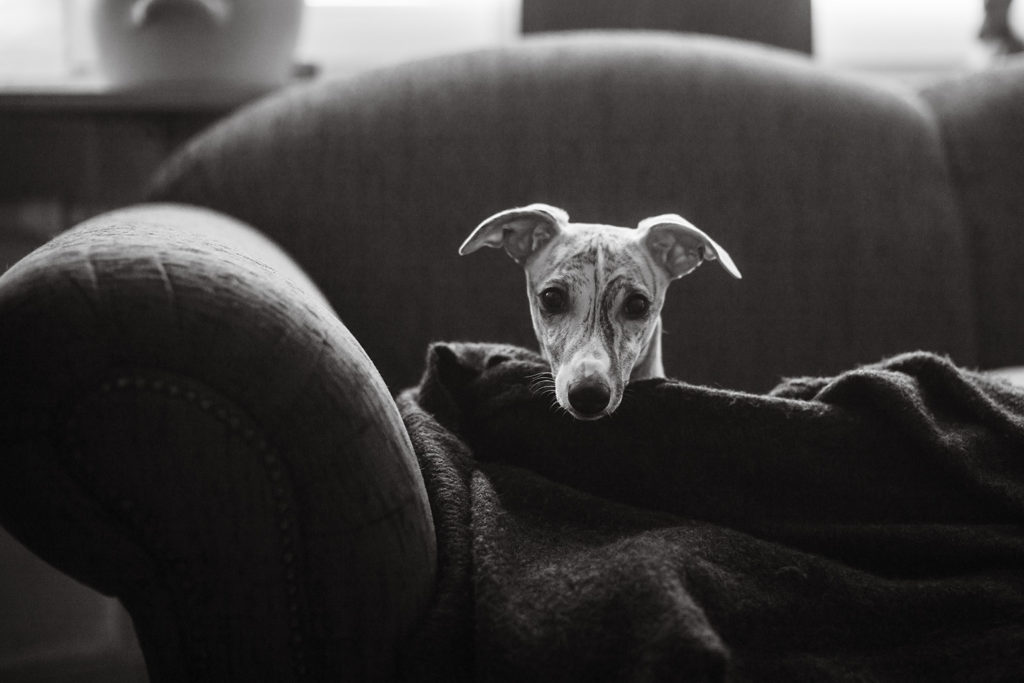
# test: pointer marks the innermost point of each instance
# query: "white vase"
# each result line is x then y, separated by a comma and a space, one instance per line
246, 43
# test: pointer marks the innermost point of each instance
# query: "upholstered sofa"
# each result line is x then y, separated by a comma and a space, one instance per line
196, 394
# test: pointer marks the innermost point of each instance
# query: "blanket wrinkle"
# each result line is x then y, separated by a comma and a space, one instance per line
866, 526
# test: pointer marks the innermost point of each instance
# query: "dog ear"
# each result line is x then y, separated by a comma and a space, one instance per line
678, 246
520, 231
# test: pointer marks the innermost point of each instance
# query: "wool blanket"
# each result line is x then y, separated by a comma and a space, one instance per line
861, 527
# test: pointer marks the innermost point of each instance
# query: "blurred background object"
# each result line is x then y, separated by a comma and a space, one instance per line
346, 36
784, 23
241, 42
910, 40
1001, 29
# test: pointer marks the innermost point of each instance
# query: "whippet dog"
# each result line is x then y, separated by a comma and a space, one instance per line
596, 293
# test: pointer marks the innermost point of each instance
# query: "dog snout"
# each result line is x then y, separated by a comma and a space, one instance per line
589, 398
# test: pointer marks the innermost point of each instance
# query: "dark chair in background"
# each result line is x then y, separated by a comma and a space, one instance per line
783, 23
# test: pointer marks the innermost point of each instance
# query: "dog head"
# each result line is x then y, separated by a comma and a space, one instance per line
596, 293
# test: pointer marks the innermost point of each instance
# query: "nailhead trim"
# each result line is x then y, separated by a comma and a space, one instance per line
282, 494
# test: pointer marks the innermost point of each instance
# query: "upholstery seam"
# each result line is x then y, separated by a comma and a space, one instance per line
240, 425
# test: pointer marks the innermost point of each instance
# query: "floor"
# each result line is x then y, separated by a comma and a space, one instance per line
53, 628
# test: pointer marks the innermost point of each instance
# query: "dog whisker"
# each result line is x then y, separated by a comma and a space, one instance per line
556, 407
542, 384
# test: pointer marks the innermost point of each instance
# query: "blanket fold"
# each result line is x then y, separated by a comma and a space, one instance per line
861, 527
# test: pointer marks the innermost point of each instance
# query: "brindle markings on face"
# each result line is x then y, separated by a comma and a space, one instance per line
565, 268
626, 273
597, 271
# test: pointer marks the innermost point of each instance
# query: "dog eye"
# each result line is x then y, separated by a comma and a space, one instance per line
636, 306
554, 300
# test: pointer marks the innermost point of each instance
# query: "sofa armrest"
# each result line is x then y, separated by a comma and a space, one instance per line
185, 424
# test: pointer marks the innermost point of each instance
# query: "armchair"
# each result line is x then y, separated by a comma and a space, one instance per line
196, 411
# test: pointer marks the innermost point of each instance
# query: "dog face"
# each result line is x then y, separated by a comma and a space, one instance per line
595, 301
596, 293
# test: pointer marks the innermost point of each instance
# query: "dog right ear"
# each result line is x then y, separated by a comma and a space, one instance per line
520, 231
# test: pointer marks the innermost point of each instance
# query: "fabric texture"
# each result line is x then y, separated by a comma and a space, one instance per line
832, 195
859, 527
980, 121
185, 424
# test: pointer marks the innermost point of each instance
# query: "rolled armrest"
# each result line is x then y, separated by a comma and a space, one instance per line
185, 424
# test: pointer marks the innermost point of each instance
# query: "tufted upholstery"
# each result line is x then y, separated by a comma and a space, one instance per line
185, 423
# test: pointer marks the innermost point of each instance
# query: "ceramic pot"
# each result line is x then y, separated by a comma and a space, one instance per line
242, 42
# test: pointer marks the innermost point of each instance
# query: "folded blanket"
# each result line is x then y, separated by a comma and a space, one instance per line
862, 527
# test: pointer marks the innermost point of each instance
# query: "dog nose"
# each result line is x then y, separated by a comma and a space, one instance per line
589, 398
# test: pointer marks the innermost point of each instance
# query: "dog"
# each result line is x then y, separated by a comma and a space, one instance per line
596, 293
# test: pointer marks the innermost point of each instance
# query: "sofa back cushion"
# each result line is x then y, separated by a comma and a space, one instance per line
981, 119
832, 196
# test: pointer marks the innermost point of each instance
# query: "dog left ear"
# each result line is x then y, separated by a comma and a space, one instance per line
678, 246
520, 231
